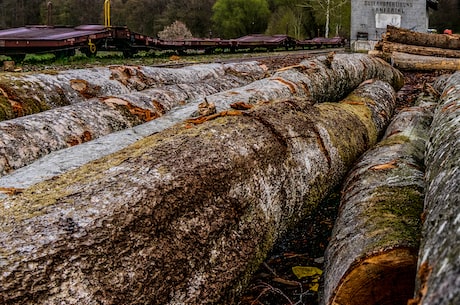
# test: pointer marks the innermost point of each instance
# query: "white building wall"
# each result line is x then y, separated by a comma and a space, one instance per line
369, 19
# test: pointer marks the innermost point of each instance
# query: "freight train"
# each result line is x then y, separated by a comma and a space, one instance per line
89, 39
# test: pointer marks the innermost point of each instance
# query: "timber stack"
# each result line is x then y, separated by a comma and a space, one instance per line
187, 211
399, 214
410, 50
185, 215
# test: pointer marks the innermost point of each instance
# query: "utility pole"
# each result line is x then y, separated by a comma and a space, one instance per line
49, 13
107, 14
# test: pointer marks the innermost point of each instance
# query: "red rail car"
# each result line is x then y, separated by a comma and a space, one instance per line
18, 42
89, 39
64, 41
322, 42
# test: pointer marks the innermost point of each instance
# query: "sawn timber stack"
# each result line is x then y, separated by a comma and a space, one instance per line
415, 51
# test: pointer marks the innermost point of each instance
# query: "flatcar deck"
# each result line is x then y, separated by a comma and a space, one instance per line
64, 41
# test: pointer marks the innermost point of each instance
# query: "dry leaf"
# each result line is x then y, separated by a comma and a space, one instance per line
301, 271
389, 165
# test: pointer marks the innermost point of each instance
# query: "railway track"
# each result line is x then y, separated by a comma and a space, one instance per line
250, 57
275, 59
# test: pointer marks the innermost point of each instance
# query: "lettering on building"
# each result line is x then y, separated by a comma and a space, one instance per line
388, 7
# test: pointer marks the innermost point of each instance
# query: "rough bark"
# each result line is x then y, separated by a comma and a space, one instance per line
438, 275
186, 215
25, 94
372, 255
409, 37
24, 140
404, 61
327, 78
390, 47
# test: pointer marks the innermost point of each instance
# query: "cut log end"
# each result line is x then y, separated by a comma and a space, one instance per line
386, 278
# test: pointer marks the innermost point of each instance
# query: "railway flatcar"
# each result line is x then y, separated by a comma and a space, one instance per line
89, 39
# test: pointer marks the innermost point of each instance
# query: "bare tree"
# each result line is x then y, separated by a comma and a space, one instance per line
177, 30
326, 7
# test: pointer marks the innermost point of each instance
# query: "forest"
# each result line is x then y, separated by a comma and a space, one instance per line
208, 18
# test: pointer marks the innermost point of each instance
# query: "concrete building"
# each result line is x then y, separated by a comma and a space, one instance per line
369, 19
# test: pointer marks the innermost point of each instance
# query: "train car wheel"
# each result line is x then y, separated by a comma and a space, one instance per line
89, 52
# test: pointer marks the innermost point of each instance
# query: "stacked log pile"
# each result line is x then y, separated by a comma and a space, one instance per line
409, 50
438, 275
26, 139
141, 87
98, 102
186, 215
378, 247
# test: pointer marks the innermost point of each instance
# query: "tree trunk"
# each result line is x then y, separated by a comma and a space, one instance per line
372, 255
439, 258
404, 61
390, 47
184, 216
25, 94
8, 66
409, 37
24, 140
327, 78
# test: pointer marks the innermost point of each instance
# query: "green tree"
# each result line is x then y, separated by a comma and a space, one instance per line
290, 18
235, 18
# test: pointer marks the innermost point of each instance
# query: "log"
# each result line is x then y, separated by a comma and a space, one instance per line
408, 37
390, 47
438, 270
327, 78
372, 255
24, 94
26, 139
404, 61
8, 66
144, 77
184, 216
23, 140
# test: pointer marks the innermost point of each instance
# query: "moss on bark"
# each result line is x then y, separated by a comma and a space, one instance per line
183, 216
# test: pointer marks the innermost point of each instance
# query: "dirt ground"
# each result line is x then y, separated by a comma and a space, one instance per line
275, 283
